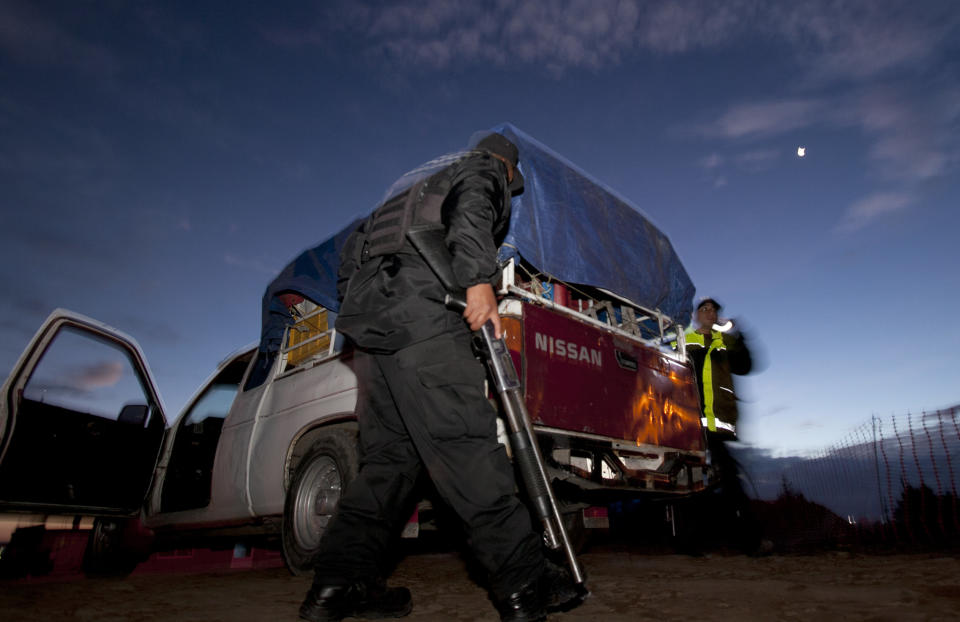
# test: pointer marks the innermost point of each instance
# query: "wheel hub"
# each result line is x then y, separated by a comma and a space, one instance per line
316, 500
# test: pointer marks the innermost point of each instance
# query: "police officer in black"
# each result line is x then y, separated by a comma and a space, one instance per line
421, 403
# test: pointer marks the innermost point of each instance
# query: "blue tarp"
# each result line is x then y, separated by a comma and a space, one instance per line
566, 223
573, 227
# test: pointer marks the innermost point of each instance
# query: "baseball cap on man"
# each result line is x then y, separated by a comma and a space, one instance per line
711, 301
498, 144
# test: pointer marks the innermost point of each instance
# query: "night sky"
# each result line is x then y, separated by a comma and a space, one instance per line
161, 161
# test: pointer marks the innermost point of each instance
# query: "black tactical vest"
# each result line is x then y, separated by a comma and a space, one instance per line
419, 206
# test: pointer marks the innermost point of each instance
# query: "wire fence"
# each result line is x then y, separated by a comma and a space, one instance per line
891, 482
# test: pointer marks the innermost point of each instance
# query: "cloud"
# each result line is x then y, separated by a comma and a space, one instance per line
866, 210
910, 138
81, 384
762, 119
97, 376
829, 40
555, 34
754, 161
675, 27
713, 165
712, 161
854, 43
903, 154
914, 138
758, 159
864, 39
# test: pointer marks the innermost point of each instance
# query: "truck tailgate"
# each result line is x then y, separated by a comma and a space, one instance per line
583, 379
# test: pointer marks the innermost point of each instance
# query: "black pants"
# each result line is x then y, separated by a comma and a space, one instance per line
423, 407
731, 510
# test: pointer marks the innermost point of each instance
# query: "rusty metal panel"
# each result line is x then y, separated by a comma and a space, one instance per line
580, 378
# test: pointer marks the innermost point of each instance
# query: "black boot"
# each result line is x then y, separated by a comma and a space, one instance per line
331, 603
558, 590
524, 605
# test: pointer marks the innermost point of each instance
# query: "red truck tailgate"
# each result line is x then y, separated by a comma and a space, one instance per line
581, 378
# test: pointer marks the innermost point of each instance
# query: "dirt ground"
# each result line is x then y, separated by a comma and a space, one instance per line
625, 584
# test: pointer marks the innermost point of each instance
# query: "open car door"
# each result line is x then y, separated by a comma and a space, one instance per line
81, 422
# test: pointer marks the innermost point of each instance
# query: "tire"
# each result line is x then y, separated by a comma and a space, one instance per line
318, 481
109, 553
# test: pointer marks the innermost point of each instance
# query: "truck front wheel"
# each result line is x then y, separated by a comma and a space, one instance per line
315, 489
114, 548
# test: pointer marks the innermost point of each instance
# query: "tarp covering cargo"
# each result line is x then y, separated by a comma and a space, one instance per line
565, 223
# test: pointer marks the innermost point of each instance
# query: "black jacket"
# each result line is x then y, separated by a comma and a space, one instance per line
394, 301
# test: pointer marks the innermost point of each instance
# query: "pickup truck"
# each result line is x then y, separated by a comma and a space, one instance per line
591, 294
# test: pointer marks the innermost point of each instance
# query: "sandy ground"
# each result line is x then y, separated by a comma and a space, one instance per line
625, 584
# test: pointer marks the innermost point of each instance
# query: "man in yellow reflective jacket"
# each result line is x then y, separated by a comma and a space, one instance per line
718, 351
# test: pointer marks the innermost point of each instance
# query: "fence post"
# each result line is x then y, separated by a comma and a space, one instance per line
953, 486
936, 475
904, 483
884, 513
923, 484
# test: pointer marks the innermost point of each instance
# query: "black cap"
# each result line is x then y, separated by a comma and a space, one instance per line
498, 144
704, 301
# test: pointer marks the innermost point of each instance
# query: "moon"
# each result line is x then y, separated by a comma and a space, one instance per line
801, 151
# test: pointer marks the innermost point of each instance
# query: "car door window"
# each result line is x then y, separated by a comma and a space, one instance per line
86, 430
190, 467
